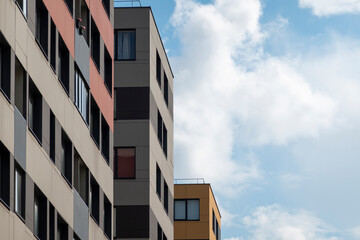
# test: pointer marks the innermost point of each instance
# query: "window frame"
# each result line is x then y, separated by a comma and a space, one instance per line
116, 163
66, 160
80, 85
133, 46
186, 209
81, 181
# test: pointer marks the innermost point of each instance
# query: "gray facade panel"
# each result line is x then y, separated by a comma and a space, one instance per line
130, 192
131, 74
20, 139
137, 18
57, 144
153, 111
82, 56
130, 133
81, 217
29, 202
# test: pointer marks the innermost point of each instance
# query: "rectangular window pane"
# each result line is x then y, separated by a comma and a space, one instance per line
166, 89
158, 181
52, 136
165, 140
158, 69
35, 111
20, 88
95, 44
107, 217
63, 64
52, 44
5, 66
125, 162
166, 197
42, 26
180, 209
80, 176
95, 121
66, 157
94, 199
125, 45
160, 125
4, 175
81, 95
22, 4
159, 232
19, 192
193, 210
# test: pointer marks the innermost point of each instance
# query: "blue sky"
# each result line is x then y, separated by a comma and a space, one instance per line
267, 109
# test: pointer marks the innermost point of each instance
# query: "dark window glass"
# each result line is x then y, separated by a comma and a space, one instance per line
81, 174
95, 121
52, 136
94, 199
160, 127
107, 217
108, 71
125, 43
81, 95
159, 232
187, 209
158, 181
158, 68
62, 229
164, 236
124, 162
63, 64
166, 197
165, 140
4, 175
180, 209
51, 222
69, 4
132, 221
35, 111
20, 88
95, 44
42, 23
66, 157
40, 214
105, 139
52, 45
166, 89
132, 103
19, 191
82, 18
213, 222
23, 6
106, 4
5, 67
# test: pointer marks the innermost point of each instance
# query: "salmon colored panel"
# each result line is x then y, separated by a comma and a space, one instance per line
101, 95
63, 21
103, 24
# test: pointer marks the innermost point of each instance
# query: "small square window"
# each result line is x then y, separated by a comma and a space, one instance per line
124, 162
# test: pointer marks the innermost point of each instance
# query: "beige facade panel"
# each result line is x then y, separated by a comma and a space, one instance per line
7, 124
95, 233
132, 74
7, 23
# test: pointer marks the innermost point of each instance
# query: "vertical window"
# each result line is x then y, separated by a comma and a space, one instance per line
42, 26
62, 229
94, 199
187, 210
95, 122
192, 209
19, 191
81, 95
160, 127
95, 44
51, 222
52, 44
69, 4
20, 88
218, 231
40, 214
158, 181
66, 157
81, 174
124, 162
158, 68
23, 6
107, 217
52, 136
4, 175
166, 196
105, 139
82, 18
213, 222
35, 111
63, 64
4, 67
159, 232
166, 89
108, 71
164, 140
125, 43
106, 4
180, 209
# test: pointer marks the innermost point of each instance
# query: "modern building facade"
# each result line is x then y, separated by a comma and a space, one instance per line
56, 119
196, 213
143, 129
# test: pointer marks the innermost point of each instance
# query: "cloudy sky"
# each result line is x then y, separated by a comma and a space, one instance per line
267, 109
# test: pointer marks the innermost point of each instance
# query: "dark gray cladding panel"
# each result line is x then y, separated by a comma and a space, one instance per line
81, 217
132, 103
20, 139
132, 221
82, 55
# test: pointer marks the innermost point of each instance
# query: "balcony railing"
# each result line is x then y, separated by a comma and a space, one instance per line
189, 181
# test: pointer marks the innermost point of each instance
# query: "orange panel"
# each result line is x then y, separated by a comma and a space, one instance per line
63, 21
101, 95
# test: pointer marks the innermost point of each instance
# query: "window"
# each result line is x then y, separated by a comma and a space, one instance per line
131, 103
69, 4
166, 196
95, 44
81, 174
160, 127
42, 26
218, 231
164, 140
106, 4
108, 71
107, 217
94, 199
159, 232
158, 68
162, 134
66, 155
82, 18
76, 237
125, 45
95, 122
40, 214
62, 229
105, 139
124, 162
51, 222
19, 191
35, 111
23, 6
187, 209
158, 181
4, 67
52, 136
166, 89
213, 222
4, 175
81, 95
52, 45
63, 64
20, 88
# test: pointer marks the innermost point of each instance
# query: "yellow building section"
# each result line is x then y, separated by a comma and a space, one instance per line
203, 227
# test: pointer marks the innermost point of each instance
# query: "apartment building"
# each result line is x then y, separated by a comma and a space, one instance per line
196, 213
143, 129
56, 119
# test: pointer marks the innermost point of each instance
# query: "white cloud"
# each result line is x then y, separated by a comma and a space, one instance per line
274, 222
355, 232
331, 7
